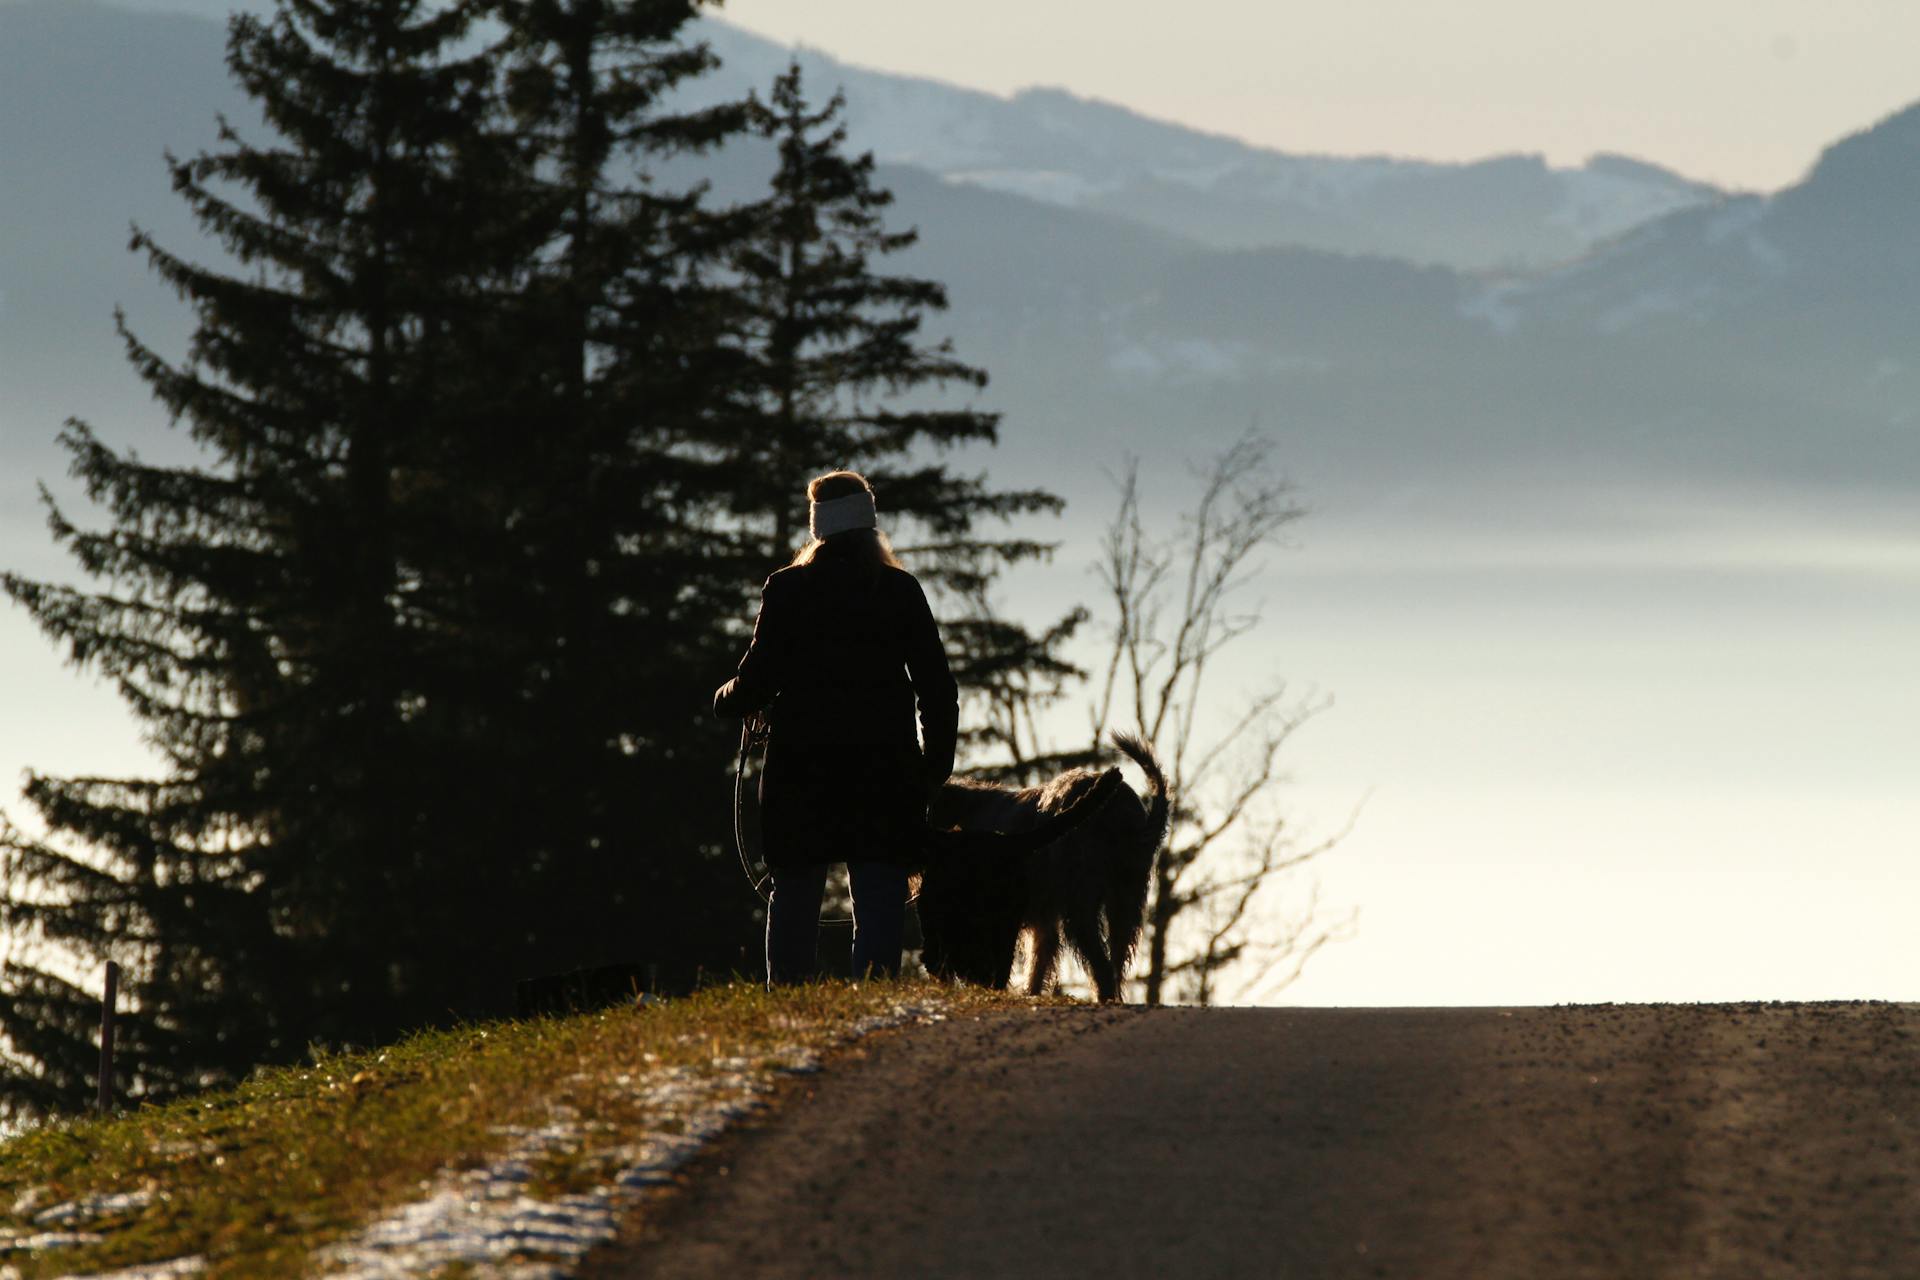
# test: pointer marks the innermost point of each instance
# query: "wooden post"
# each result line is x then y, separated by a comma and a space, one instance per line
105, 1099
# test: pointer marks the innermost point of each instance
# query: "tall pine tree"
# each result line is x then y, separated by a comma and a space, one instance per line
610, 546
273, 617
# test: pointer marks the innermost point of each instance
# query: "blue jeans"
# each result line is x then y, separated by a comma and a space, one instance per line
793, 920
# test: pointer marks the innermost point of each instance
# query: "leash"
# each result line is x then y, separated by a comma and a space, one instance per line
753, 733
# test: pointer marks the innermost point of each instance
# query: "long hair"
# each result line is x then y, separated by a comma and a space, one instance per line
859, 546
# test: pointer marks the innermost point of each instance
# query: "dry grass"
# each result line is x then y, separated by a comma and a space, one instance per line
256, 1178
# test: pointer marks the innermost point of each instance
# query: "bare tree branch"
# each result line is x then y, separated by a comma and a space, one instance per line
1174, 603
1167, 630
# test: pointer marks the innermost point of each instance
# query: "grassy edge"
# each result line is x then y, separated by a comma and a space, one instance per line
256, 1179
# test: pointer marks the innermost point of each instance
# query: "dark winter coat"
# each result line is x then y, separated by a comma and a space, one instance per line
844, 653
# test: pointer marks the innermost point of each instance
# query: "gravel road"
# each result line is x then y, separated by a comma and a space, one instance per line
1633, 1142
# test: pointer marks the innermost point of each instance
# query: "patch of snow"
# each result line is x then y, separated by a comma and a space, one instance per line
1204, 357
24, 1243
1179, 360
1325, 182
29, 1200
486, 1219
1494, 304
1650, 302
1200, 178
81, 1212
168, 1270
902, 122
1598, 205
1049, 186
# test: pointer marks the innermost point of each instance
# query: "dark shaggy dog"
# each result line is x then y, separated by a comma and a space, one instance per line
1088, 885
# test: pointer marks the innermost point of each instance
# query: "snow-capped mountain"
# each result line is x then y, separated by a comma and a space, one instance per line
1049, 145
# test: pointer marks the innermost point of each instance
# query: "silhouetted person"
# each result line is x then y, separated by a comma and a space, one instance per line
844, 649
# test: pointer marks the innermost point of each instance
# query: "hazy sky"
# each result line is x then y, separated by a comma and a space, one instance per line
1739, 92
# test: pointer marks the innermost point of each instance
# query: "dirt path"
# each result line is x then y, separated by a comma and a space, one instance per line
1626, 1142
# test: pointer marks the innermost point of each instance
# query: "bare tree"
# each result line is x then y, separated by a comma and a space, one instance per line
1175, 603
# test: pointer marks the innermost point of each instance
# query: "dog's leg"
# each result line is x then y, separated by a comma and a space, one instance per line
1046, 956
1127, 883
1089, 942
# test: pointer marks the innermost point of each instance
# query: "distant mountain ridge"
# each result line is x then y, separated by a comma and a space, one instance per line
1732, 334
1508, 211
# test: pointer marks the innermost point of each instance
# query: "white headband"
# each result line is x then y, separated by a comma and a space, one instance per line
837, 515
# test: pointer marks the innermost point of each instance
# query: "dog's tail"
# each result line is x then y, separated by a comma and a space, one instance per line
1129, 875
1159, 805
